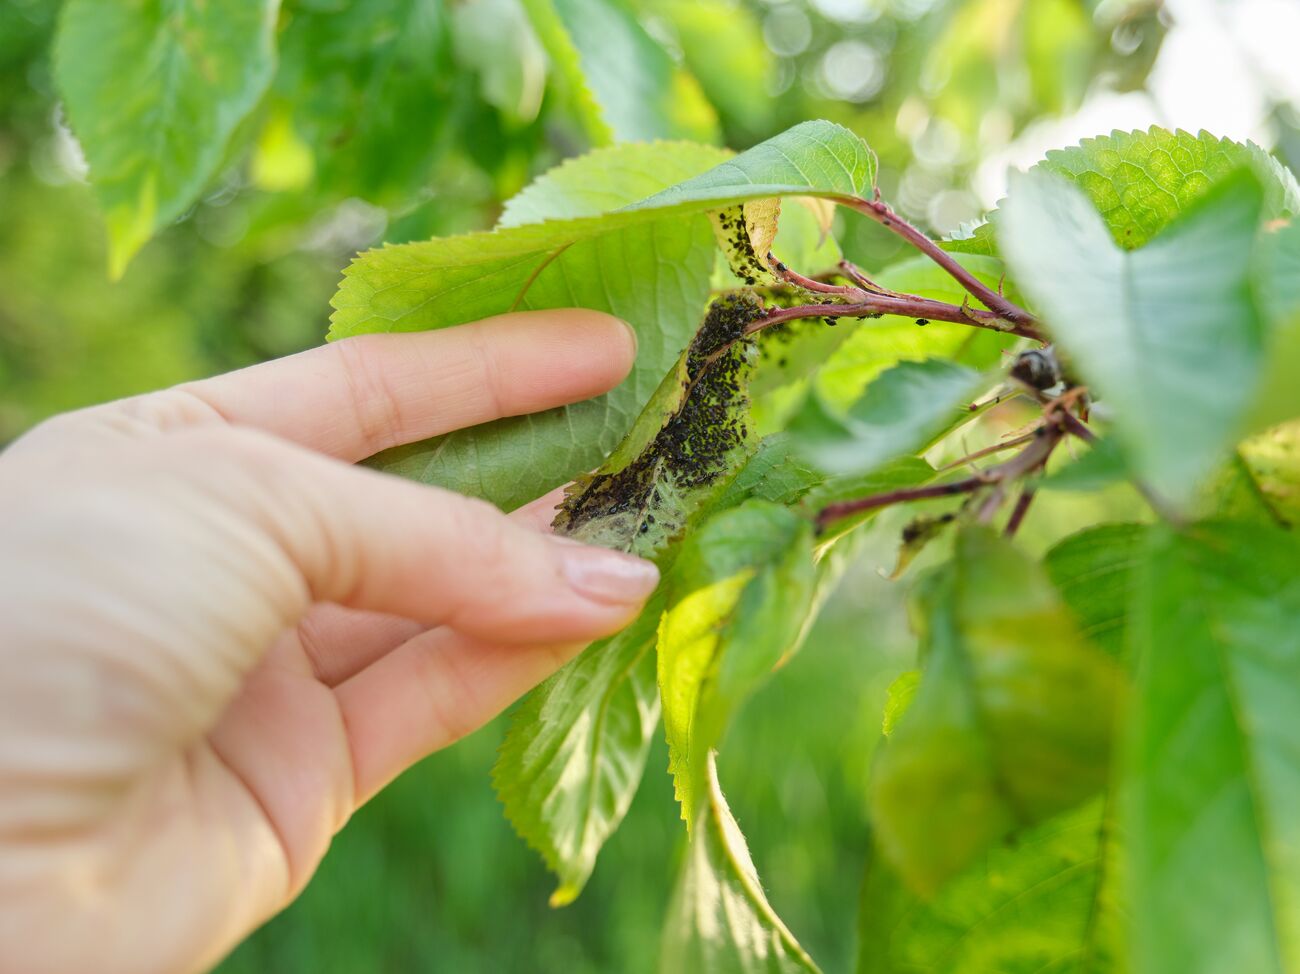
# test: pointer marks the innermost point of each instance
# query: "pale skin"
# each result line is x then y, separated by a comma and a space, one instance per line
218, 637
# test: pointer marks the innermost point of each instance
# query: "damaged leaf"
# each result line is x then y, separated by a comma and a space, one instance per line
745, 234
691, 437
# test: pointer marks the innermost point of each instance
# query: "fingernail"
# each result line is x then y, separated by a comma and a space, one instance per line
607, 576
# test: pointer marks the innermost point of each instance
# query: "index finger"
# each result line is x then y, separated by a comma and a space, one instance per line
358, 396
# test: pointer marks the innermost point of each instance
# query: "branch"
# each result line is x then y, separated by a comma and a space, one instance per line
1018, 512
791, 276
835, 512
886, 217
908, 306
854, 273
1028, 460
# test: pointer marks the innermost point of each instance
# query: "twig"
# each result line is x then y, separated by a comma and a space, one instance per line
791, 276
1018, 512
988, 451
908, 306
843, 509
855, 274
1073, 424
1027, 461
886, 217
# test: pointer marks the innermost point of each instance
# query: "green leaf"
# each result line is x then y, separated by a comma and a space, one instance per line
774, 473
492, 39
900, 695
1060, 44
1211, 780
1046, 903
356, 75
1141, 181
1277, 397
1270, 463
1093, 571
1104, 464
1168, 336
738, 596
576, 750
649, 265
916, 537
686, 445
902, 411
154, 92
1280, 269
1011, 723
812, 159
624, 84
607, 179
719, 921
723, 47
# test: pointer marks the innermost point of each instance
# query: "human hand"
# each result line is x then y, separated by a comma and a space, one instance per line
218, 638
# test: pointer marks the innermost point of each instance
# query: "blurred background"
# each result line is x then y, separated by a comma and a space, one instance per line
393, 120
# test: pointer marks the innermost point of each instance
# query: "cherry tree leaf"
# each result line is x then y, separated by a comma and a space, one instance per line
745, 234
354, 77
576, 751
1268, 466
1048, 902
902, 411
1168, 336
738, 596
1277, 397
154, 93
1210, 772
648, 263
625, 86
1093, 571
607, 179
689, 441
1141, 181
719, 920
1010, 725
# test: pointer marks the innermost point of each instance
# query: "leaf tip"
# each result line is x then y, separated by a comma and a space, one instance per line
564, 894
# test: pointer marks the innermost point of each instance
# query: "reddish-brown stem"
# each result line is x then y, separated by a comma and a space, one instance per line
835, 512
886, 217
988, 451
906, 305
854, 273
1073, 424
1027, 461
791, 276
1018, 512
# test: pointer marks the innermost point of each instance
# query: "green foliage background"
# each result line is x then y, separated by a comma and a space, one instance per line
395, 120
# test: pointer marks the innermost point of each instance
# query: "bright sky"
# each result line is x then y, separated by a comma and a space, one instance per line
1219, 64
